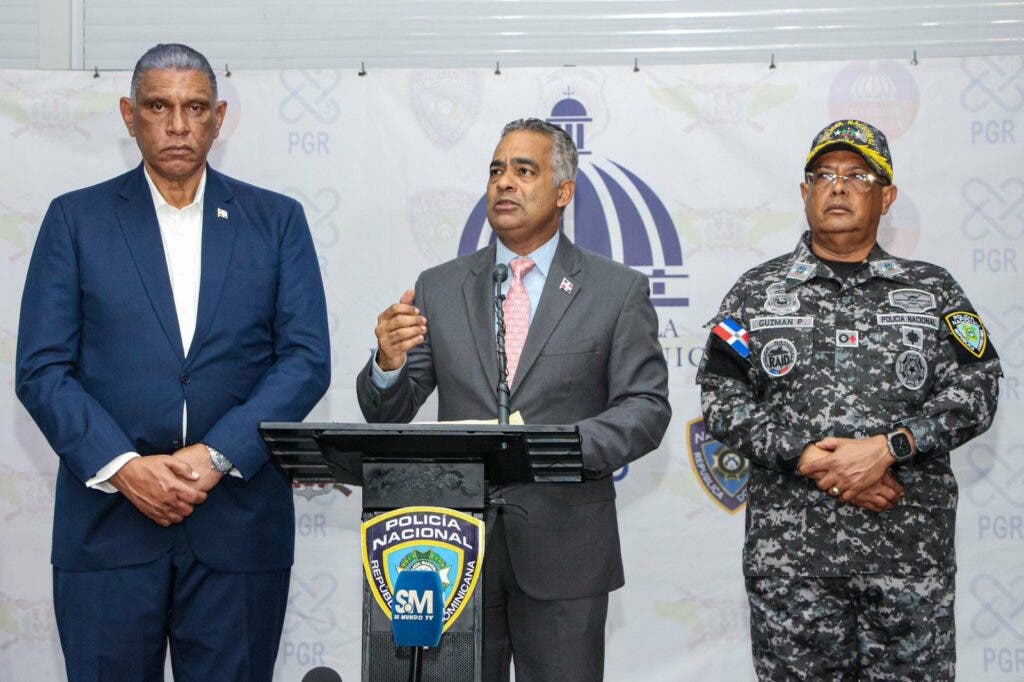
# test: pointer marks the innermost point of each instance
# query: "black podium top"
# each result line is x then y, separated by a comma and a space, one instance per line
329, 452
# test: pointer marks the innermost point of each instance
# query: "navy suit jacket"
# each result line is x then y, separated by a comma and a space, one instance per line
101, 369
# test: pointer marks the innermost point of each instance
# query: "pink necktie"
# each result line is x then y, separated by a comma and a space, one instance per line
517, 315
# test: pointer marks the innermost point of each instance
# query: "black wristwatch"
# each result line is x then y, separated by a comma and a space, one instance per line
900, 446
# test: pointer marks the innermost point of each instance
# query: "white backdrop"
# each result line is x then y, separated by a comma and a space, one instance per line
389, 168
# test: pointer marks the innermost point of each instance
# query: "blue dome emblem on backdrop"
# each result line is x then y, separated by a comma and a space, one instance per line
614, 213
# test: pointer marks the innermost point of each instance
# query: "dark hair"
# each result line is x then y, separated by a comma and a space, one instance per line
174, 56
564, 157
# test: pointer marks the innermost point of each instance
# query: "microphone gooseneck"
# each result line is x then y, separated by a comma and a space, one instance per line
500, 274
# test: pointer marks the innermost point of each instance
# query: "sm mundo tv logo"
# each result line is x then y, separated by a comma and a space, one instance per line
614, 213
414, 604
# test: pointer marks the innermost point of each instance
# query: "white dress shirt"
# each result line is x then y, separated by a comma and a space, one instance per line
181, 230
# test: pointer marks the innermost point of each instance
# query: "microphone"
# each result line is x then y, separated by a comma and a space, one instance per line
417, 610
500, 275
321, 674
417, 615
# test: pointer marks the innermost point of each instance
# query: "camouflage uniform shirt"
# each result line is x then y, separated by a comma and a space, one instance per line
797, 354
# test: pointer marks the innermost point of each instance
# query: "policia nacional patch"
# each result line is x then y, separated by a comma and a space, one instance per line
969, 336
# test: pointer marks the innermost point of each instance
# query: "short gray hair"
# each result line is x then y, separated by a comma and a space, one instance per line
564, 157
172, 56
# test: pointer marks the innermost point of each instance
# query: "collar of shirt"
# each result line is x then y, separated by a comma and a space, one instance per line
542, 258
802, 266
161, 204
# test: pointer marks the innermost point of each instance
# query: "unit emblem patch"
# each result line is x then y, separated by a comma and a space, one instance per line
779, 301
912, 337
778, 357
912, 300
911, 369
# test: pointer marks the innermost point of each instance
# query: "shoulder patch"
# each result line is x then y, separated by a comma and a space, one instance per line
968, 331
733, 333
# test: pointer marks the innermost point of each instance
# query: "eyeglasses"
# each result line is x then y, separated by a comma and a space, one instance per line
858, 182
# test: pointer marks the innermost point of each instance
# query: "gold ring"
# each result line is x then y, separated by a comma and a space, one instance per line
833, 491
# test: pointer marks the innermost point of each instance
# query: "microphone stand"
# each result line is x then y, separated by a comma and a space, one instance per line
416, 664
500, 275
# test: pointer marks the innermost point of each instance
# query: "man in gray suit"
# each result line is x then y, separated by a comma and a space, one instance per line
583, 350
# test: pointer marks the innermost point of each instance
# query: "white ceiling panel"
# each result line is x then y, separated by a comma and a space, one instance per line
260, 34
19, 31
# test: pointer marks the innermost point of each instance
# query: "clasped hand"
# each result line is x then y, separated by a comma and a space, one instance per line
858, 468
167, 488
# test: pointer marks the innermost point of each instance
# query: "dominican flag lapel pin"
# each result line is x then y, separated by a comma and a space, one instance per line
566, 285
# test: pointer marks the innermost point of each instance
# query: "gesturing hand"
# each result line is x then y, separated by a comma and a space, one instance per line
399, 328
160, 486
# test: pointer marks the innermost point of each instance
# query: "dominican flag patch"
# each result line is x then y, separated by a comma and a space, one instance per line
733, 333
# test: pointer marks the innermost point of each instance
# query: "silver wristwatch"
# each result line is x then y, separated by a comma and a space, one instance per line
900, 446
219, 462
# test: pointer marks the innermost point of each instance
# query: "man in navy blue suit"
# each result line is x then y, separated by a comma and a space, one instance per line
166, 313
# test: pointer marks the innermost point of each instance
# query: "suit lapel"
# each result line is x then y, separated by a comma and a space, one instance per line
137, 217
552, 306
478, 290
220, 220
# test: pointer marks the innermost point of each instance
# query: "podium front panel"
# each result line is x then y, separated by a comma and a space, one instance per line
458, 657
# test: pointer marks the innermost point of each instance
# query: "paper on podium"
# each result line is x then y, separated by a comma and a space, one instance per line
514, 419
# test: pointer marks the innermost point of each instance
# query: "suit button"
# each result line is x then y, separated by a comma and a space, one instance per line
176, 444
185, 378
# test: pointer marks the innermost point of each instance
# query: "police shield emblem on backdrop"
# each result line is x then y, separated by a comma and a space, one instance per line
722, 472
437, 539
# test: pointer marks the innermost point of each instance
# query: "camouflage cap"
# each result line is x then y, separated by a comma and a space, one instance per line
857, 136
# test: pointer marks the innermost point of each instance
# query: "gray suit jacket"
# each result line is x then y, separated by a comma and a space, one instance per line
591, 358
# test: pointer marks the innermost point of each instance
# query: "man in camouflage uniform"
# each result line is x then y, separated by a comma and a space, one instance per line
846, 375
